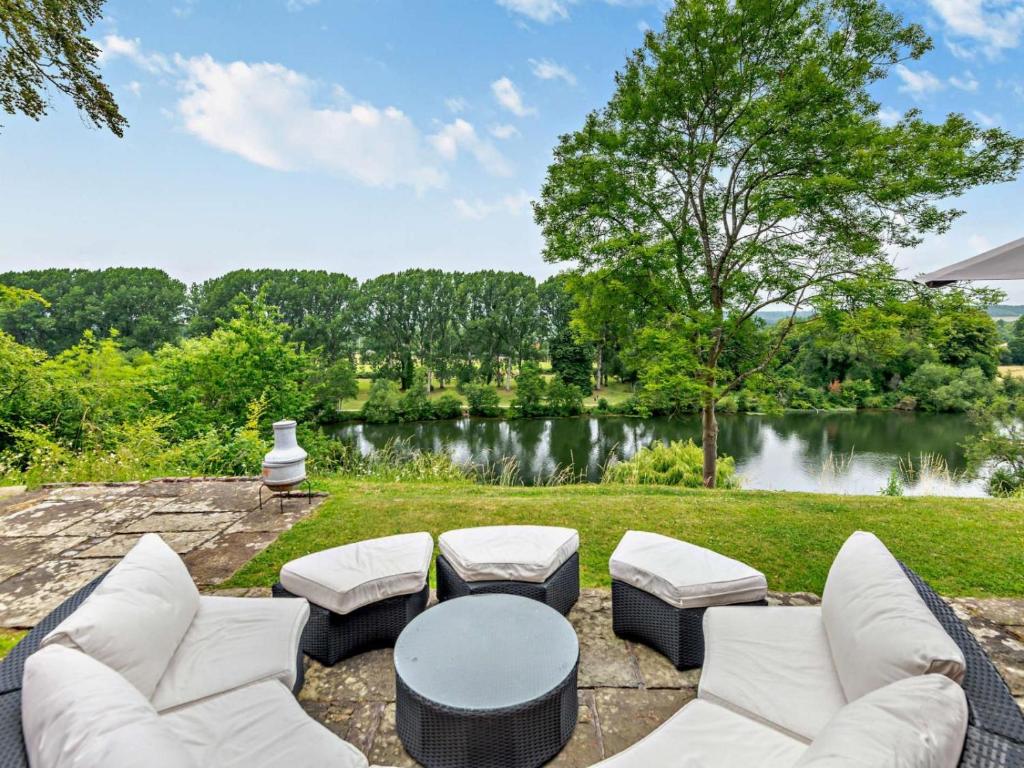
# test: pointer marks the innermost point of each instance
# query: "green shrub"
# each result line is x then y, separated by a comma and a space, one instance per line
678, 463
414, 405
483, 400
384, 404
938, 387
530, 391
447, 407
564, 399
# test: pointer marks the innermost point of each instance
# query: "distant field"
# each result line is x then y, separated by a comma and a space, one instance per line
615, 393
1016, 371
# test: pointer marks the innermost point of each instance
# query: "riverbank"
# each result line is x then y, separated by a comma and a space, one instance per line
963, 547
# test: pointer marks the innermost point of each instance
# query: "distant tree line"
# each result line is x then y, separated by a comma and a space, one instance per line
456, 326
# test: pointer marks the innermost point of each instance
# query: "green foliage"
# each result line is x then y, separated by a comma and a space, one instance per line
142, 305
937, 387
678, 463
483, 400
447, 407
998, 448
894, 485
571, 360
1016, 342
45, 44
210, 382
318, 307
330, 384
384, 404
530, 392
414, 405
564, 398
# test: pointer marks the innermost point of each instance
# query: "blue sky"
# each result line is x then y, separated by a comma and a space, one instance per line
367, 136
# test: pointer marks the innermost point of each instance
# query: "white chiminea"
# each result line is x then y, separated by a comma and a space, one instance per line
285, 466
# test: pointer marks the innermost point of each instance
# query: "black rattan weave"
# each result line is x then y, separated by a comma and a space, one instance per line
560, 591
996, 733
524, 736
677, 633
330, 637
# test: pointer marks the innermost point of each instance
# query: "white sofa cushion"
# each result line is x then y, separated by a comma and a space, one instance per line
78, 712
136, 617
683, 574
879, 629
234, 641
508, 552
258, 726
345, 578
917, 722
771, 663
705, 735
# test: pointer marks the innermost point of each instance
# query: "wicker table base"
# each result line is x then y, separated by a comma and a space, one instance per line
486, 682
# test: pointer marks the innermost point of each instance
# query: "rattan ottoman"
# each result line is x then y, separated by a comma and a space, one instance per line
535, 561
661, 587
361, 595
486, 682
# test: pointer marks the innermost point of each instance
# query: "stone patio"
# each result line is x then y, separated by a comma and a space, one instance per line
55, 540
626, 689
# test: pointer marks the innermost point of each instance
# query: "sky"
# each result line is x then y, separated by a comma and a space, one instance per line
369, 136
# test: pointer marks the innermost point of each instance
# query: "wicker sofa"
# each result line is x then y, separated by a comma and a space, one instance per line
149, 664
882, 674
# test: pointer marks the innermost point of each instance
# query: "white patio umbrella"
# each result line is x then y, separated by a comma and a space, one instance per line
1003, 263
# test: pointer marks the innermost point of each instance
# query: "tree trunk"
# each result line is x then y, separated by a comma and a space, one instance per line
709, 441
508, 375
599, 376
430, 381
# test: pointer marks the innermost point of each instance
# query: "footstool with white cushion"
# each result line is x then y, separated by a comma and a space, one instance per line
540, 562
661, 587
361, 595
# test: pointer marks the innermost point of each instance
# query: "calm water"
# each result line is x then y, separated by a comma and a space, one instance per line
836, 453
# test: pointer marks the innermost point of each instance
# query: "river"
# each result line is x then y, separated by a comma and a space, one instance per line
827, 452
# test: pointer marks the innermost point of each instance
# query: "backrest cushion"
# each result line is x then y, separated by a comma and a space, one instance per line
878, 628
918, 722
76, 711
136, 617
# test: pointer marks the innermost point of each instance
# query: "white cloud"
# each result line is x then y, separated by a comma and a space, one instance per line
986, 120
135, 87
266, 114
960, 51
643, 26
508, 96
461, 135
966, 83
889, 116
456, 104
504, 131
995, 25
546, 69
544, 11
115, 46
513, 205
294, 6
184, 10
918, 84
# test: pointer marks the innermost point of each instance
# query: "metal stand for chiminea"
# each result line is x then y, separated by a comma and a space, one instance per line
282, 494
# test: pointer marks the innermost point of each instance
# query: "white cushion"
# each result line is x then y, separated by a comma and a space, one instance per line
78, 712
879, 629
704, 735
137, 615
508, 552
234, 641
348, 577
918, 722
683, 574
771, 663
258, 726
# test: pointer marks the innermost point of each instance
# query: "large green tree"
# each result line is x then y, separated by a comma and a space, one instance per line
741, 164
43, 45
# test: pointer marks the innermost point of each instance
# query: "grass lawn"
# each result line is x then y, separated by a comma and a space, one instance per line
963, 547
8, 639
1014, 371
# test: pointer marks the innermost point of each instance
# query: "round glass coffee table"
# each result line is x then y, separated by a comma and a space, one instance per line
486, 681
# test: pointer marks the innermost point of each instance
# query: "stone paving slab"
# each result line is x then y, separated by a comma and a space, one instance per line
56, 539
